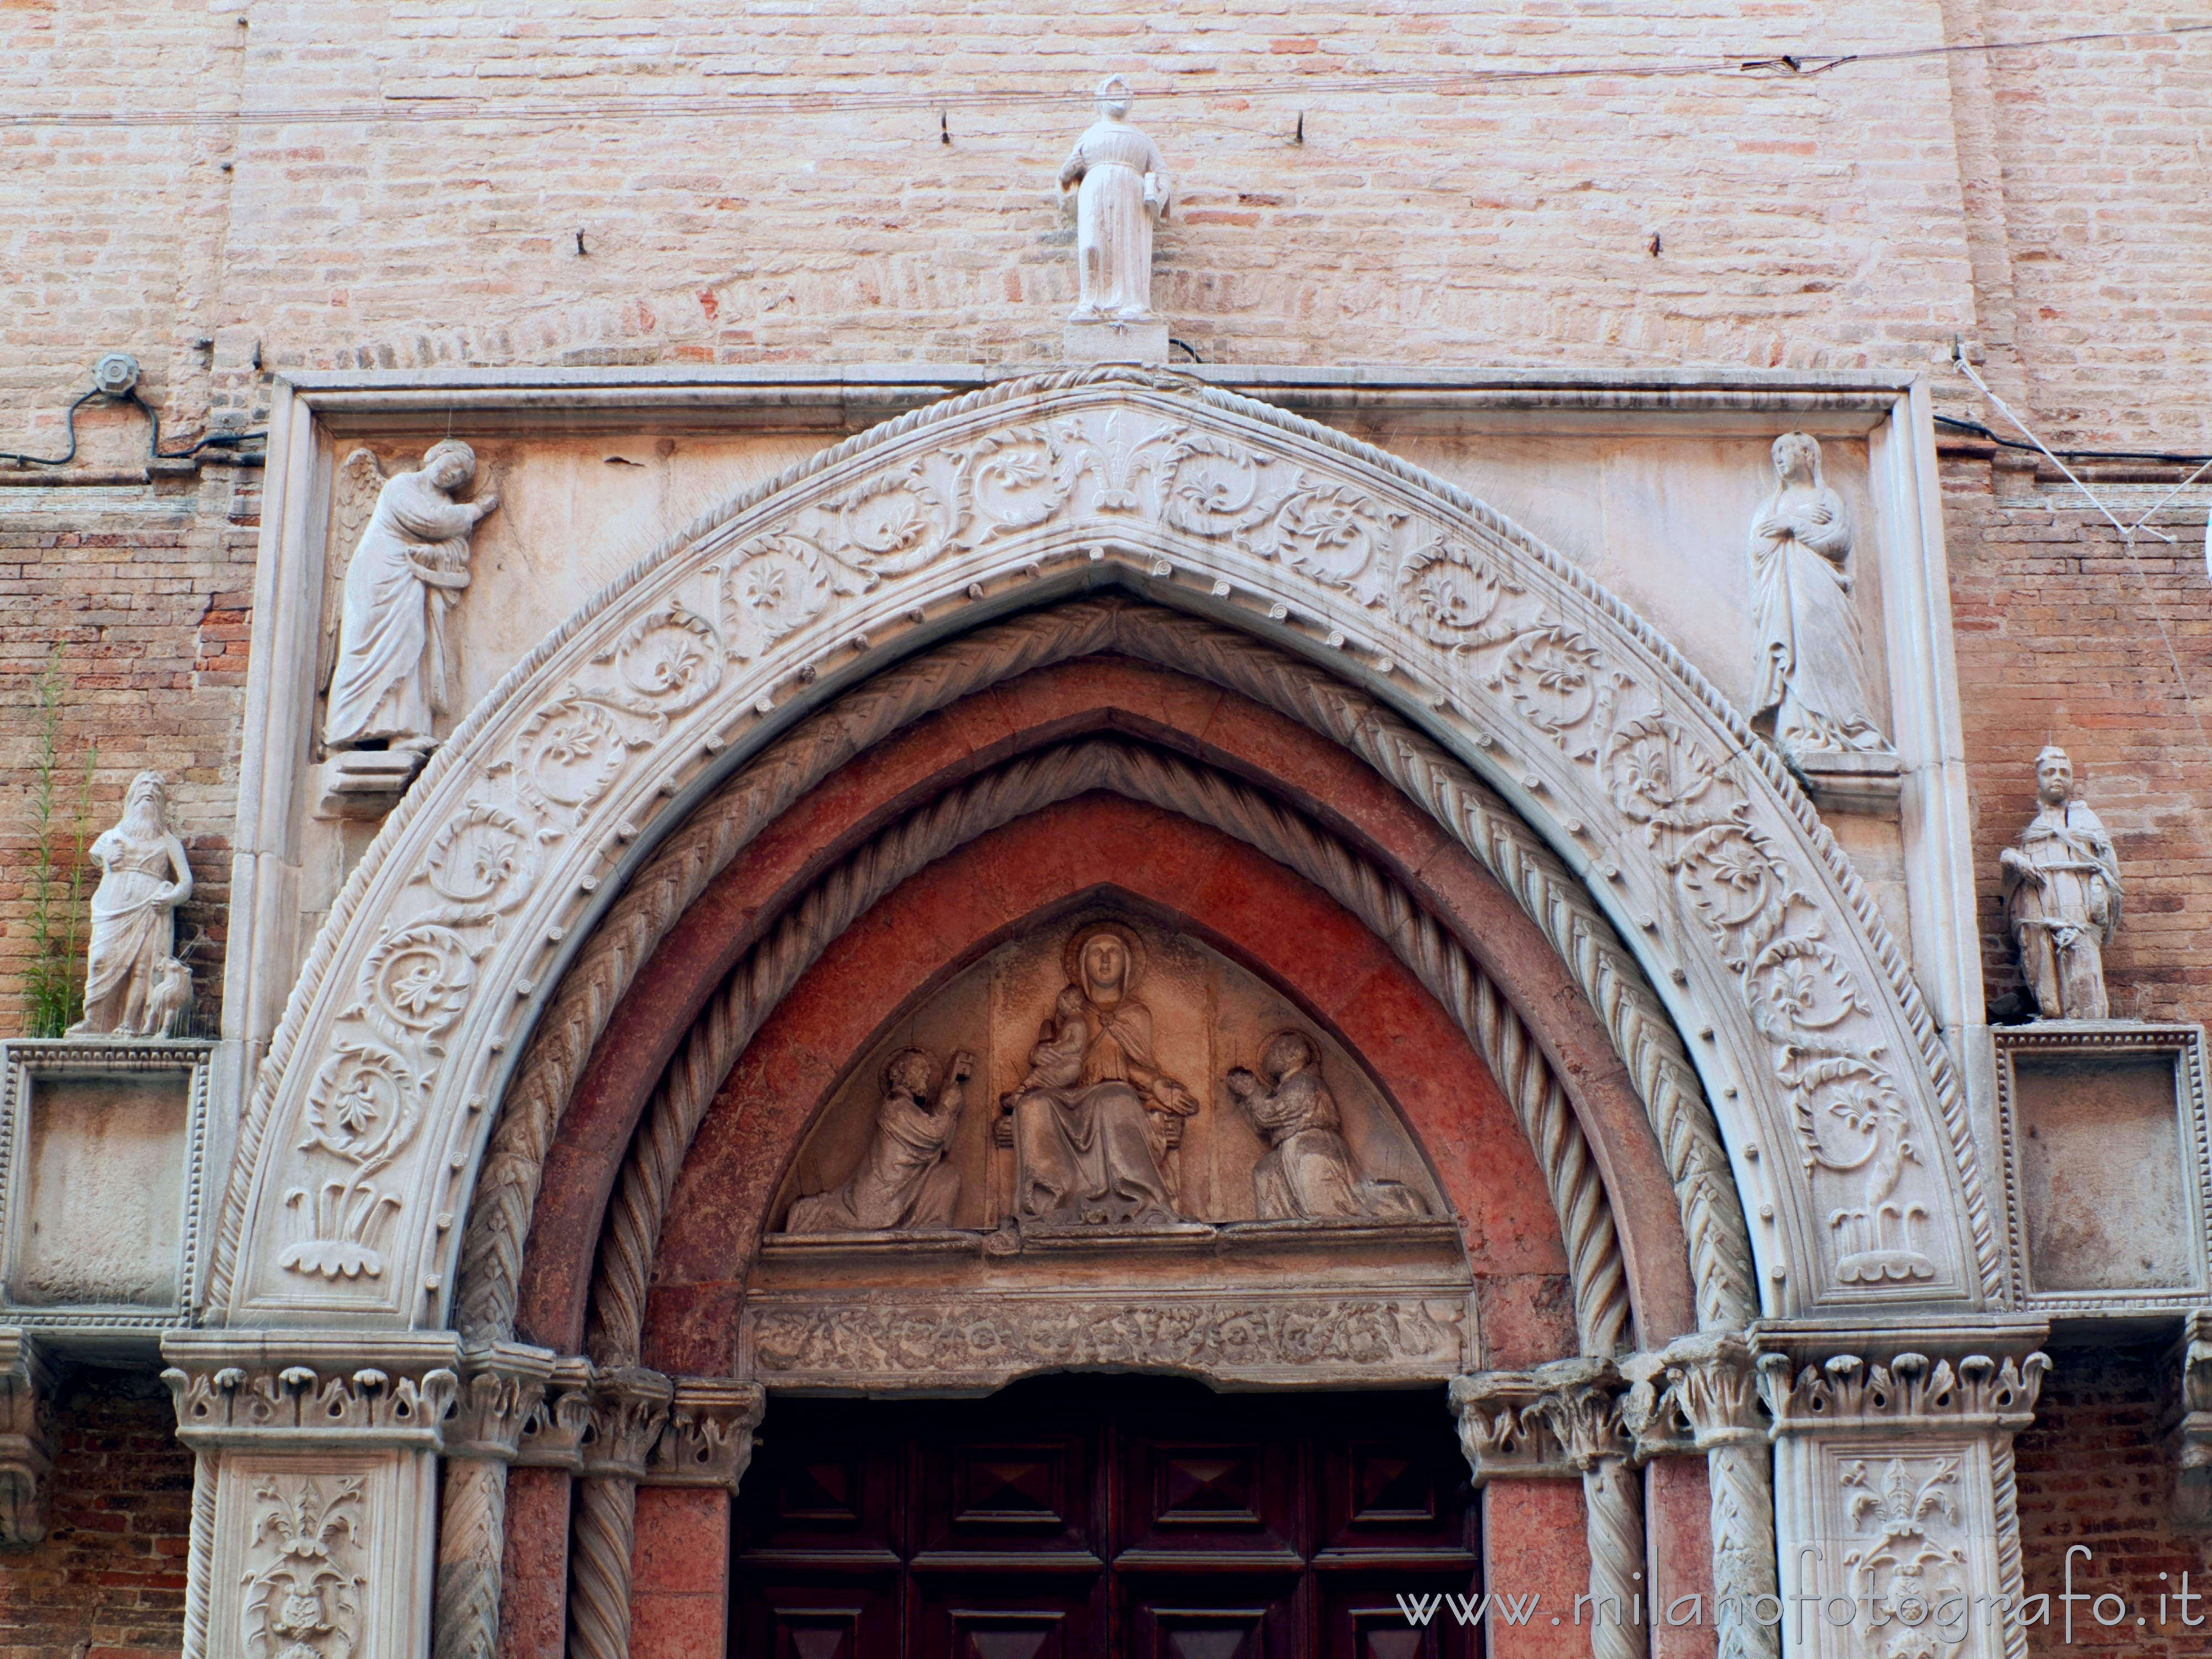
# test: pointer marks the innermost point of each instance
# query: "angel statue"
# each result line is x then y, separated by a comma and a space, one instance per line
1120, 187
387, 676
1810, 674
134, 986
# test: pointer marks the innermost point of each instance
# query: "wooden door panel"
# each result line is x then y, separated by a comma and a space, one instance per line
1105, 1517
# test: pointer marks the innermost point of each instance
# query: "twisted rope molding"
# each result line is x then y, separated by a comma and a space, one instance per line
1636, 1023
1836, 866
1026, 785
200, 1559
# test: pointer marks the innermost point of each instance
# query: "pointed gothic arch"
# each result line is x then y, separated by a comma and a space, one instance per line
1838, 1104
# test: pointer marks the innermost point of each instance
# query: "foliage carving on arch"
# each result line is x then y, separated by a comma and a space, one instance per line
1839, 1105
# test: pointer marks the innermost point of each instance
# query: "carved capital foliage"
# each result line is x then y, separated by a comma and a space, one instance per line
629, 1409
283, 1389
708, 1437
1700, 1392
502, 1388
26, 1446
1560, 1419
1949, 1380
552, 1436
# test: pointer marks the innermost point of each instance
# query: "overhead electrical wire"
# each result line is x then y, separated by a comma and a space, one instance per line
426, 106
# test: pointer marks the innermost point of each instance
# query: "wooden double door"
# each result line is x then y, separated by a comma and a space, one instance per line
1104, 1517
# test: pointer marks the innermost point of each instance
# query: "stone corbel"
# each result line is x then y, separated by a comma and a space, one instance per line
27, 1444
1894, 1480
708, 1438
317, 1465
2188, 1432
1564, 1419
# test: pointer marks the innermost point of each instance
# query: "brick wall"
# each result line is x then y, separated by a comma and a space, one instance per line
108, 1580
2092, 1472
2059, 638
147, 590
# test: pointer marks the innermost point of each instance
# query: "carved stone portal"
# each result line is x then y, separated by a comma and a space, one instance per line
1096, 1124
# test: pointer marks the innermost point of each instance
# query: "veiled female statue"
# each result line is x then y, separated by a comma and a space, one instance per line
1097, 1122
411, 564
1810, 674
131, 987
1121, 188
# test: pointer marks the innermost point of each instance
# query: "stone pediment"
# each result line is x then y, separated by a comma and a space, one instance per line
1840, 1105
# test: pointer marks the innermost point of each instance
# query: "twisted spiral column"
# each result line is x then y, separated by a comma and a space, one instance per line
472, 1535
199, 1567
1614, 1493
1741, 1476
630, 1407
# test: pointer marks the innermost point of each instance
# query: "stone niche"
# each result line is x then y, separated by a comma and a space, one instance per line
103, 1148
2106, 1158
1224, 1284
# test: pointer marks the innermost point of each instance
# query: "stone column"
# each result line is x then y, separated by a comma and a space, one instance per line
1895, 1511
1701, 1394
680, 1582
502, 1388
26, 1441
1562, 1419
630, 1408
314, 1504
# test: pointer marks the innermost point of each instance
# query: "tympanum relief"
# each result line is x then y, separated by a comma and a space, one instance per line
1100, 1038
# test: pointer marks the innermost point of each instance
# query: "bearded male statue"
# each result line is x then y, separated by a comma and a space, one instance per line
132, 986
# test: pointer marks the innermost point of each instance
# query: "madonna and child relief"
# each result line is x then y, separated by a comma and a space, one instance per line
1111, 1075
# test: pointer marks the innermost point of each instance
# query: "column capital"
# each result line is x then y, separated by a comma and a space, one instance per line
295, 1390
26, 1443
708, 1437
1699, 1392
552, 1436
1555, 1421
630, 1407
502, 1386
1938, 1378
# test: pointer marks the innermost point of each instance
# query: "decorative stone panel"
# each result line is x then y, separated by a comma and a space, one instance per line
103, 1146
2108, 1165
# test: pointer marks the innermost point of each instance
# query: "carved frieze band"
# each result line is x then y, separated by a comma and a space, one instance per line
242, 1390
1912, 1391
366, 1088
983, 1340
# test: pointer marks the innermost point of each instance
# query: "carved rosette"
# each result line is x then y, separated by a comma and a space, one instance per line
372, 1101
26, 1441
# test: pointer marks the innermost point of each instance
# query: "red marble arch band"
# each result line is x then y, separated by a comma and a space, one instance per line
1302, 768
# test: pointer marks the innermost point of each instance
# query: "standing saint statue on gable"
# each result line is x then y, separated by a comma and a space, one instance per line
1121, 188
2062, 895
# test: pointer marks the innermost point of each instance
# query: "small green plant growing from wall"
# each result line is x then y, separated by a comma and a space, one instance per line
53, 980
